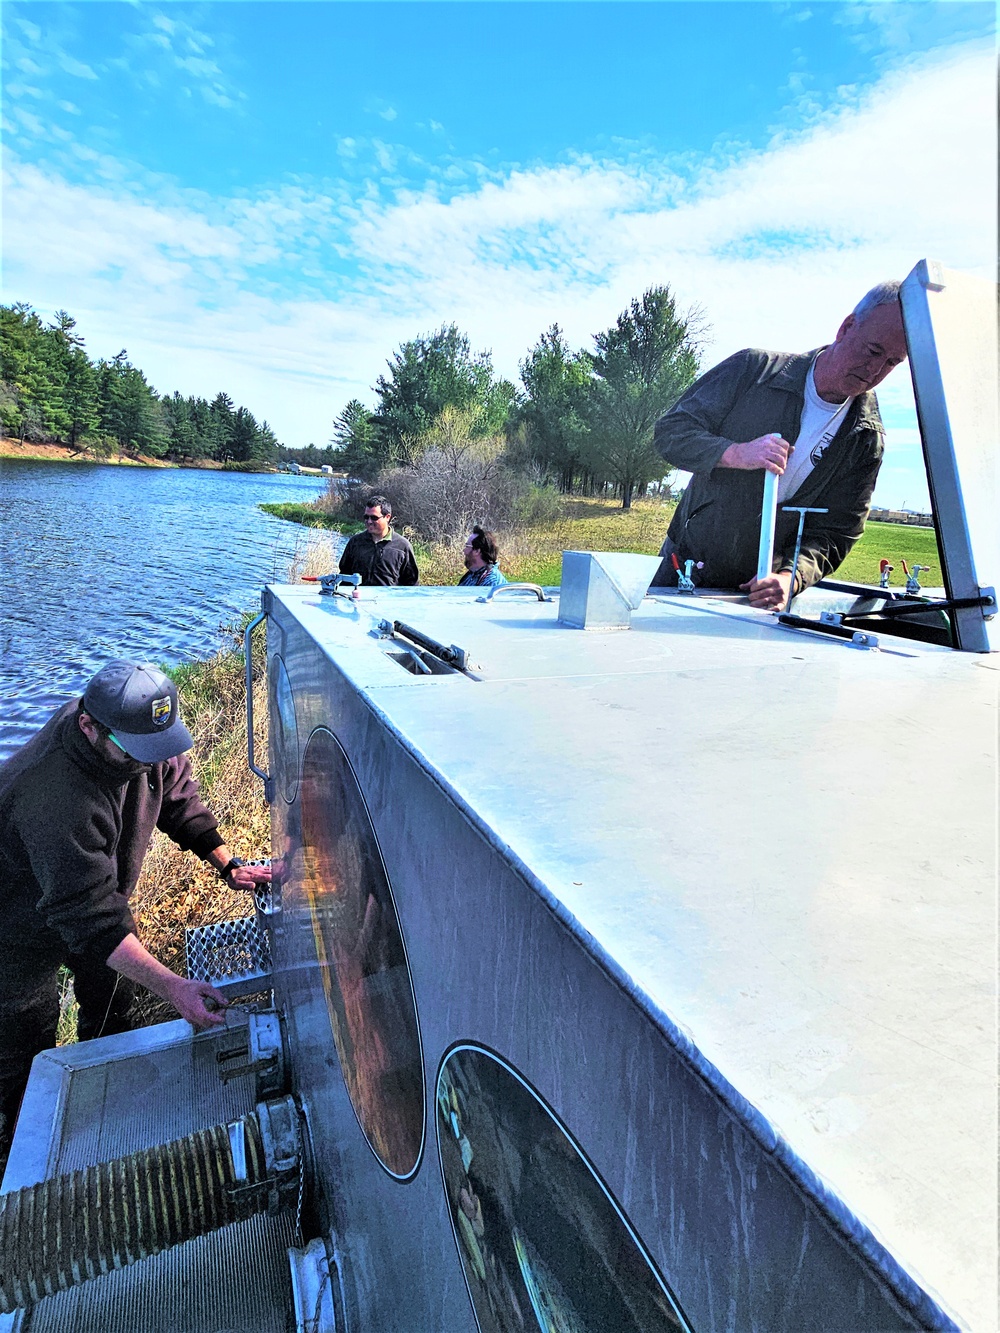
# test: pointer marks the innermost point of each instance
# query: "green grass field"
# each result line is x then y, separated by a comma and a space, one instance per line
594, 525
894, 542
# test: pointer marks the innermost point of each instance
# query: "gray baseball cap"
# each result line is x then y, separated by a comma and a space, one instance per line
139, 703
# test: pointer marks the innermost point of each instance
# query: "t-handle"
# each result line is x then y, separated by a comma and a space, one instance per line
801, 511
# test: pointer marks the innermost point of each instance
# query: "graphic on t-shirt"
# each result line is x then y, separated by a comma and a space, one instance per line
819, 449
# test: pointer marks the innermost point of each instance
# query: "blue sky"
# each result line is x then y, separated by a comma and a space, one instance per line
267, 198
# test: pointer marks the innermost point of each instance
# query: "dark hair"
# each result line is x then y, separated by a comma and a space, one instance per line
103, 730
381, 502
486, 544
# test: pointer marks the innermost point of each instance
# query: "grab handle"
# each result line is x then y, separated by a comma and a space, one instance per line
248, 659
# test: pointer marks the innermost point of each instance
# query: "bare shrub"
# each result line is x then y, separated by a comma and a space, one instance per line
459, 480
345, 497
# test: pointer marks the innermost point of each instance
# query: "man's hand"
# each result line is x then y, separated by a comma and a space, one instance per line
133, 960
769, 594
201, 1004
240, 877
248, 877
767, 451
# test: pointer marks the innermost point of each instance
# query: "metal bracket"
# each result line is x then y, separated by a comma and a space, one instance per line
315, 1289
830, 623
282, 1140
930, 274
263, 1051
264, 1065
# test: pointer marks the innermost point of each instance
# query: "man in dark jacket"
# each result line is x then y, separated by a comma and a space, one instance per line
381, 557
78, 805
810, 418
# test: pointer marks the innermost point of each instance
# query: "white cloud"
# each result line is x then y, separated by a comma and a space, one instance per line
75, 67
167, 45
293, 300
17, 90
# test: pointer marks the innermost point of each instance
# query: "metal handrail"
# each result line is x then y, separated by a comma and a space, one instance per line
248, 662
516, 587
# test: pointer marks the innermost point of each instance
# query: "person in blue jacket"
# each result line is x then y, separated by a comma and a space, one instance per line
480, 555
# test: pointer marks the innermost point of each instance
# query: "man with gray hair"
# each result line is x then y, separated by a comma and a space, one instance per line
812, 419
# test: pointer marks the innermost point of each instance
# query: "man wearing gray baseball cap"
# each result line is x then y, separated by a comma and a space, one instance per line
78, 805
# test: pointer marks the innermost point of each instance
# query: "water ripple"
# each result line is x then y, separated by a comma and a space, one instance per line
99, 562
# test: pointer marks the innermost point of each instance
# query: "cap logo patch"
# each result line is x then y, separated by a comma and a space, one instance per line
161, 711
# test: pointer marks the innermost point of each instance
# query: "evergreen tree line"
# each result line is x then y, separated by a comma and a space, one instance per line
51, 391
581, 419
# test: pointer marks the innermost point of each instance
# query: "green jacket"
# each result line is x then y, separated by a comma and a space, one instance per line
750, 394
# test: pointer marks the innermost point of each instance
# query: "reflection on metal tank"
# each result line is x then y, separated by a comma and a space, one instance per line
362, 961
537, 1230
285, 732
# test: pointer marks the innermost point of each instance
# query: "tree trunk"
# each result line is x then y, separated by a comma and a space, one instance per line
627, 489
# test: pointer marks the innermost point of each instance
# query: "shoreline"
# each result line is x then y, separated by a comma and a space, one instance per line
62, 453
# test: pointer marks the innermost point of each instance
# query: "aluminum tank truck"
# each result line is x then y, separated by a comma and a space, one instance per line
552, 1033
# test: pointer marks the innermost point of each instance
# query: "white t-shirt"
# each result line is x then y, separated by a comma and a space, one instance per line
820, 423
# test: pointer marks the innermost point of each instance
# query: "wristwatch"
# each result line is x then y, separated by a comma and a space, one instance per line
229, 867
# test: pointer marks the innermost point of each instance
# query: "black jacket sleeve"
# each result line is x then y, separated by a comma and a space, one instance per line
184, 817
348, 564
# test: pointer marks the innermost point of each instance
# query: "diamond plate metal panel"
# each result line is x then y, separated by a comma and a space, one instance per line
229, 951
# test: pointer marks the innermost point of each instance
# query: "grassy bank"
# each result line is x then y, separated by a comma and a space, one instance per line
176, 890
62, 453
310, 517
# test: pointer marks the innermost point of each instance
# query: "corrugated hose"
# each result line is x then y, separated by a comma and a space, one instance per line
74, 1227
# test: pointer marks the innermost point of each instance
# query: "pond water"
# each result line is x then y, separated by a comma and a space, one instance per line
99, 562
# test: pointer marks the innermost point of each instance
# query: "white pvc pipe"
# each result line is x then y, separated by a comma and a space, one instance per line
768, 514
